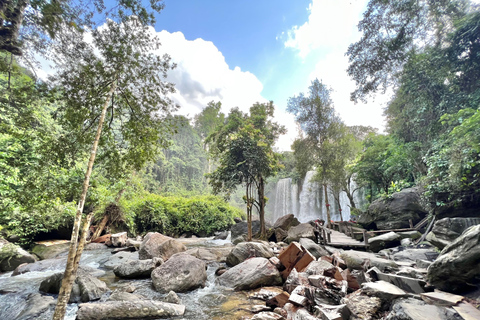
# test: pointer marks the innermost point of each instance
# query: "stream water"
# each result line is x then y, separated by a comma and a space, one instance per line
211, 302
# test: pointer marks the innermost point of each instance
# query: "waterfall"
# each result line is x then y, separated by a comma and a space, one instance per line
308, 203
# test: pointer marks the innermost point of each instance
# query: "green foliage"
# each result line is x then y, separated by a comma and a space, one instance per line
43, 218
201, 215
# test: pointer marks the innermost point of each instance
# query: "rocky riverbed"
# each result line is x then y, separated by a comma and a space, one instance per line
165, 278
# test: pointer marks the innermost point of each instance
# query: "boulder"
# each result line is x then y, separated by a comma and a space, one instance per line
118, 239
362, 306
414, 235
386, 240
316, 250
36, 305
159, 246
413, 254
446, 230
133, 243
394, 212
456, 269
120, 258
221, 236
245, 250
181, 273
11, 256
251, 274
303, 230
318, 267
138, 309
414, 309
383, 290
280, 234
134, 269
46, 250
286, 222
86, 287
241, 228
172, 297
124, 296
207, 254
358, 259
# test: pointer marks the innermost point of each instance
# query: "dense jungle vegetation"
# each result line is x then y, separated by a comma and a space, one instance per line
151, 164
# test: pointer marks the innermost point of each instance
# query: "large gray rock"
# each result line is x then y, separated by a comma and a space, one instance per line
120, 258
412, 255
286, 222
124, 296
245, 250
303, 230
44, 251
137, 268
181, 273
318, 267
241, 229
362, 306
37, 304
316, 250
159, 246
383, 290
138, 309
448, 229
118, 239
456, 269
11, 256
414, 309
394, 212
357, 259
86, 287
251, 274
387, 240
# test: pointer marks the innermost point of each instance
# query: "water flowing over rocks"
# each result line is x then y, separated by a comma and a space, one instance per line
119, 310
245, 250
181, 273
251, 274
394, 212
456, 269
86, 287
156, 245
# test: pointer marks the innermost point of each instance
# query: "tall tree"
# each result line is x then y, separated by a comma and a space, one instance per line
243, 147
118, 74
391, 32
321, 125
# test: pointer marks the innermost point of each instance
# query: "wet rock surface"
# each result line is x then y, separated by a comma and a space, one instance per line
251, 274
181, 273
156, 245
245, 250
12, 255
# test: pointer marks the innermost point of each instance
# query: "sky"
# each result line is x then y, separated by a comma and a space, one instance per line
242, 52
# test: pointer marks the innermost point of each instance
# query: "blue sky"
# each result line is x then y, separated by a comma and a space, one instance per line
241, 52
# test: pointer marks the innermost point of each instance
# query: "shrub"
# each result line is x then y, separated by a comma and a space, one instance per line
201, 215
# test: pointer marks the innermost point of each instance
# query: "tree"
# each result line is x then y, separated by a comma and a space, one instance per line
120, 75
243, 147
321, 125
391, 32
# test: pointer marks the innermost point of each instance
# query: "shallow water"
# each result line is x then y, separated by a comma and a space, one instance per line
211, 302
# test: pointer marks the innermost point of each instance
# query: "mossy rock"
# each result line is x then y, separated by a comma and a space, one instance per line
11, 256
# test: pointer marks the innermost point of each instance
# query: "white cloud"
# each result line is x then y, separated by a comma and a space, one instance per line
330, 24
202, 75
324, 38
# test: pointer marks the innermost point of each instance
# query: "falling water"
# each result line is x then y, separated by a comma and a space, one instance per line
308, 203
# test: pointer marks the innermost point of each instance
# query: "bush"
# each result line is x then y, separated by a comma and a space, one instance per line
201, 215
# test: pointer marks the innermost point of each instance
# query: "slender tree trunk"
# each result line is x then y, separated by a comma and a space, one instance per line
329, 224
249, 213
261, 200
73, 253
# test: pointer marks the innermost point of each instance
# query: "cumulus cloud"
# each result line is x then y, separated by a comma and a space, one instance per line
330, 25
324, 38
202, 75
